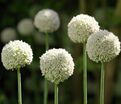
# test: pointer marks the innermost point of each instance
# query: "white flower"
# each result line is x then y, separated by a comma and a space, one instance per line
47, 20
81, 27
8, 34
56, 65
103, 46
16, 54
25, 26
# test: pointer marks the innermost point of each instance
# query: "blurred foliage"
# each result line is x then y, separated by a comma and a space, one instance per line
12, 11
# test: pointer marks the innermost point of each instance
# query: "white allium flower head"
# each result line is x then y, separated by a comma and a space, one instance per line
81, 27
47, 20
26, 26
56, 65
103, 46
8, 34
16, 54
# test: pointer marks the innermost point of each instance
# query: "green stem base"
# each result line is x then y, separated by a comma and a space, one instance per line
19, 86
84, 73
102, 84
45, 91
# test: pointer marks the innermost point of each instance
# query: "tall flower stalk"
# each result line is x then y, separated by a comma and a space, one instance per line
55, 93
79, 29
84, 74
45, 81
45, 91
46, 42
17, 54
19, 86
47, 21
53, 64
102, 84
102, 46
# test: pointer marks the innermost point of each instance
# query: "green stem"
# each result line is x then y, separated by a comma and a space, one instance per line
45, 91
82, 5
85, 73
46, 42
19, 86
102, 84
45, 81
55, 94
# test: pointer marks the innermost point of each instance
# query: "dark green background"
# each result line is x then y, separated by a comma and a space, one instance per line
108, 15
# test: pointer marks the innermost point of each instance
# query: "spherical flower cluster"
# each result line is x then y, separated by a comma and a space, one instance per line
8, 34
56, 65
103, 46
47, 20
81, 27
26, 27
16, 54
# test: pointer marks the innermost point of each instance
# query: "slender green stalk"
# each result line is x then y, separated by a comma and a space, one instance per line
45, 91
55, 94
46, 42
45, 81
85, 73
19, 86
102, 84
